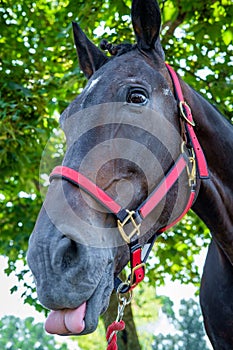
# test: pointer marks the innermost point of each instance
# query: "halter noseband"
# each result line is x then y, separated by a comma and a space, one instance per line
194, 163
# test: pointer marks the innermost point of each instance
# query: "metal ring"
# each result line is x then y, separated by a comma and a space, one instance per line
121, 295
121, 287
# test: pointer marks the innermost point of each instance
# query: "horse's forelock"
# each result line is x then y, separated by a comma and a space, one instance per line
116, 50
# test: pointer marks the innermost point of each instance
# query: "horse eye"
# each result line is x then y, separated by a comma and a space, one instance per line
136, 96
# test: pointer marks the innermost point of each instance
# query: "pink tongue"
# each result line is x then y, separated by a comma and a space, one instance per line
66, 321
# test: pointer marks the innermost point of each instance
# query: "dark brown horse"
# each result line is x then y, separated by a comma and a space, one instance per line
127, 134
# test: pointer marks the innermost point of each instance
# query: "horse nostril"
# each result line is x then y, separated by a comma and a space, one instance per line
70, 256
65, 254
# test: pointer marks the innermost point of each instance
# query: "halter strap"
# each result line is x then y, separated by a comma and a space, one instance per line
135, 218
186, 114
79, 180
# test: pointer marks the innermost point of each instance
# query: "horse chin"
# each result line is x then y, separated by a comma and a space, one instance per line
96, 306
82, 319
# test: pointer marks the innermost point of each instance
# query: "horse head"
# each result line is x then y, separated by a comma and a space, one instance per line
123, 134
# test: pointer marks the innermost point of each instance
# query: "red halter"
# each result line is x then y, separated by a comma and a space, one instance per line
124, 216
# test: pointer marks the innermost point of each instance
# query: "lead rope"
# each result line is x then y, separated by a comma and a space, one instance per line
118, 324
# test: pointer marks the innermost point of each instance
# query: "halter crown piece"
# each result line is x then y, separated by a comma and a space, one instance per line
194, 163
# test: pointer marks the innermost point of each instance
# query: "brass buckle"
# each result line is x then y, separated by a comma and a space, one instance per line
192, 173
131, 283
136, 227
192, 160
181, 104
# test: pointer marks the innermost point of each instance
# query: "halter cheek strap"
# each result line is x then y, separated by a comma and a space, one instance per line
135, 218
186, 116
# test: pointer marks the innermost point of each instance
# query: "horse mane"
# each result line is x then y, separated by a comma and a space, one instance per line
116, 50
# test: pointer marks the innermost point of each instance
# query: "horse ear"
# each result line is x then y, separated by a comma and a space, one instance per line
146, 20
90, 57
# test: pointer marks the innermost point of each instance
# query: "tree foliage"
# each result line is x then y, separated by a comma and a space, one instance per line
40, 76
188, 325
17, 334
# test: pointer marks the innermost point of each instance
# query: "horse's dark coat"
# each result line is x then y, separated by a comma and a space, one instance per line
67, 272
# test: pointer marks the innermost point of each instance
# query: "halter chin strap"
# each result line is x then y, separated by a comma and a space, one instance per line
134, 218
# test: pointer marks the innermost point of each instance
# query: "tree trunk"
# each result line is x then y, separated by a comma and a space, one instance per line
128, 338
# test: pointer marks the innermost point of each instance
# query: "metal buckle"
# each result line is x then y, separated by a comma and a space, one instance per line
181, 106
192, 160
132, 283
128, 219
192, 173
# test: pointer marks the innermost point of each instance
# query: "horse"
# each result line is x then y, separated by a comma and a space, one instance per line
143, 148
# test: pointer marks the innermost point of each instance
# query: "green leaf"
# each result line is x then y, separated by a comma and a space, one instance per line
227, 36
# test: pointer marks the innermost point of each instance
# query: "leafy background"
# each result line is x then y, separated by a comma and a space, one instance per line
40, 76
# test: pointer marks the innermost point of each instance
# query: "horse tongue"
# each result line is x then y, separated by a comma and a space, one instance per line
65, 322
74, 319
